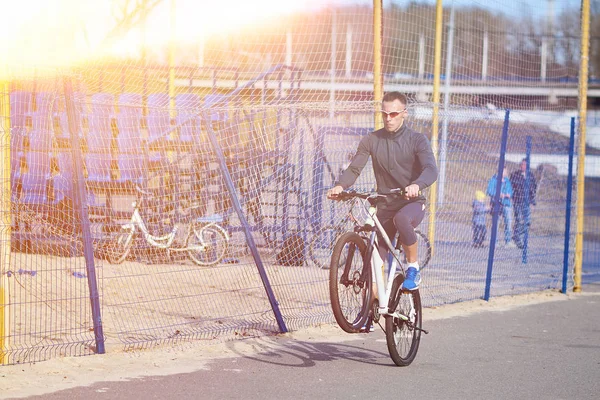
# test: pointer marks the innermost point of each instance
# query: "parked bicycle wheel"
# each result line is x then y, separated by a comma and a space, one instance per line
120, 245
403, 336
322, 244
207, 244
350, 289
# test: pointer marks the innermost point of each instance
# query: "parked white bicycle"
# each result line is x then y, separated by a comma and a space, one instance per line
205, 242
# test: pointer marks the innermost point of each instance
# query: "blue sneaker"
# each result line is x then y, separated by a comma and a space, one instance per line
412, 279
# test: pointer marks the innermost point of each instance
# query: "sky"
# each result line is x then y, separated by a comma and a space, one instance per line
59, 32
51, 32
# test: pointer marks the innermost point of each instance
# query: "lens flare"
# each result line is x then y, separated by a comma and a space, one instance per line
58, 33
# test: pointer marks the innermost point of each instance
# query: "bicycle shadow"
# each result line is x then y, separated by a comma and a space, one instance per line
300, 353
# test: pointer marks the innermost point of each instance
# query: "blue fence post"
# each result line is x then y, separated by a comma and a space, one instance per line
496, 206
526, 215
80, 204
568, 207
245, 227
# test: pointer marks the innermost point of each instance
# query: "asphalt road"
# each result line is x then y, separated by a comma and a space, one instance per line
549, 350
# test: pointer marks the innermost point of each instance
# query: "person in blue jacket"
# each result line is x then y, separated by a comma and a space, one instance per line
506, 194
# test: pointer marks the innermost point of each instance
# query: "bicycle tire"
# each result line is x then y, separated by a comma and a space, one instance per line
424, 255
213, 238
120, 246
322, 244
403, 337
350, 295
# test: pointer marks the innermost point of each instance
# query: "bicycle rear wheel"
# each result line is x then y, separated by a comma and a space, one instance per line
322, 244
350, 282
207, 244
403, 336
424, 249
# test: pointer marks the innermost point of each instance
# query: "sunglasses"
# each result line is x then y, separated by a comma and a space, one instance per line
391, 114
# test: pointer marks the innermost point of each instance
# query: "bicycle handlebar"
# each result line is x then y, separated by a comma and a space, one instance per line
351, 194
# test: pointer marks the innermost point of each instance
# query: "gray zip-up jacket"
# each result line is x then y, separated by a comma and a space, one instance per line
399, 160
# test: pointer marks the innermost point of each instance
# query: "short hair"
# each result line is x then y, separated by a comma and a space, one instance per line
525, 159
391, 96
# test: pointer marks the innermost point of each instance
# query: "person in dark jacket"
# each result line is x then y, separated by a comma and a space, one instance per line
402, 158
524, 189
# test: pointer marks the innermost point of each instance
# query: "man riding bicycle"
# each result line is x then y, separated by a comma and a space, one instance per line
402, 158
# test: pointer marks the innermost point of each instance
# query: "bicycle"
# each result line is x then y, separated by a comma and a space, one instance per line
351, 288
205, 240
323, 241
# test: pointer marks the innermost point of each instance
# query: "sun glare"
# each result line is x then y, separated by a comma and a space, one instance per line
231, 15
52, 33
44, 33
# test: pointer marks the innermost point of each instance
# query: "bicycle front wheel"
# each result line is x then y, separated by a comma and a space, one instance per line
119, 247
322, 244
403, 328
206, 244
350, 282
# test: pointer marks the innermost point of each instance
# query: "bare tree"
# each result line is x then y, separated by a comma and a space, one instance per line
568, 42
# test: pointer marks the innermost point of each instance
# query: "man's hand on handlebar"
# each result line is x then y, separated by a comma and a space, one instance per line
334, 191
412, 191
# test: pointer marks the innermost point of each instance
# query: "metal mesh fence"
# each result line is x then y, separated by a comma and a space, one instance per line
141, 183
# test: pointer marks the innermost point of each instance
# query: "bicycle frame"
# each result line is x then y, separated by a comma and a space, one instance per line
162, 242
384, 288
